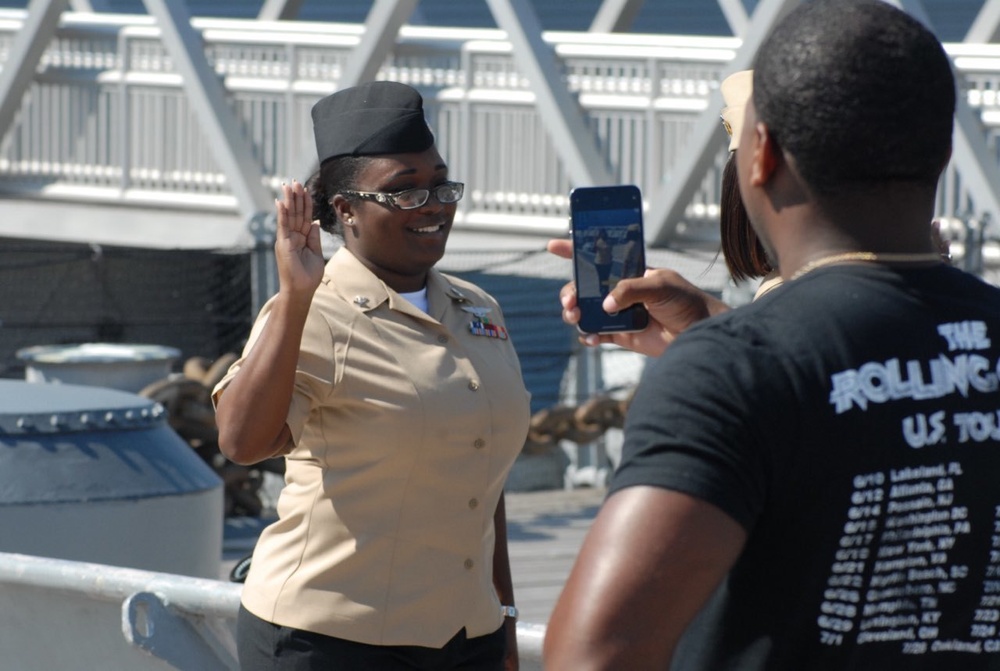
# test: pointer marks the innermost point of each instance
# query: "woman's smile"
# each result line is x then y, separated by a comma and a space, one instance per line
435, 228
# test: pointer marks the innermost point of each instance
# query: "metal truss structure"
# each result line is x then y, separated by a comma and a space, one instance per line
565, 121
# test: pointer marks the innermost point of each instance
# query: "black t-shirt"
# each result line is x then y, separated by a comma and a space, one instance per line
850, 421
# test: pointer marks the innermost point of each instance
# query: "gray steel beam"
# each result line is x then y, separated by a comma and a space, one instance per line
970, 155
207, 97
616, 16
736, 16
90, 5
669, 201
986, 26
280, 10
561, 114
382, 25
914, 8
976, 164
986, 177
25, 54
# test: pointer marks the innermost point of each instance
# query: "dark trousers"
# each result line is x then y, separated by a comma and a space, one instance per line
264, 646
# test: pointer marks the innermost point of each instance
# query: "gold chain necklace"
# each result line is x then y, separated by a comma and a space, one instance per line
873, 257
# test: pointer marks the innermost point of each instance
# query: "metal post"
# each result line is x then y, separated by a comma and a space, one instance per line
124, 132
588, 467
263, 266
151, 623
975, 234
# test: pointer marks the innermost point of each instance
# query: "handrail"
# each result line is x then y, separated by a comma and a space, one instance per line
184, 621
196, 596
170, 617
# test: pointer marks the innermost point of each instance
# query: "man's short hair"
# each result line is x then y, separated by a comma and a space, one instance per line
858, 92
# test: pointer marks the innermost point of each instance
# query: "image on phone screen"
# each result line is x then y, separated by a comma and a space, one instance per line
607, 246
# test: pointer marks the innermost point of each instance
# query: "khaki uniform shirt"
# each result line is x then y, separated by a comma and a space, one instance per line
405, 426
771, 281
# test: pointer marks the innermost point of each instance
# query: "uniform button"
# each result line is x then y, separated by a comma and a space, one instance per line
473, 504
473, 385
479, 444
442, 339
469, 564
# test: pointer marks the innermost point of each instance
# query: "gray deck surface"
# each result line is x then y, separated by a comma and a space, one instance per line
545, 531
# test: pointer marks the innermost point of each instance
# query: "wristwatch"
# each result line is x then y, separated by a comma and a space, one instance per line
508, 611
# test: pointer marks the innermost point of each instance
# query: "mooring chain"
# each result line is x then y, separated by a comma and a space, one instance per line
578, 424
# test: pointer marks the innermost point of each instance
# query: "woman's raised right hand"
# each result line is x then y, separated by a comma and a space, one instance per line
297, 248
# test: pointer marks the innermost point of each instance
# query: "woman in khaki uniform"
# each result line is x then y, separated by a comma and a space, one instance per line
396, 396
742, 250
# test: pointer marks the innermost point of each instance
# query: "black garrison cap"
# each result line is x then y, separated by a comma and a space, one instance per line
374, 118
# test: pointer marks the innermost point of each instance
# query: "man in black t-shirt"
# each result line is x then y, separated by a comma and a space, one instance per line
808, 483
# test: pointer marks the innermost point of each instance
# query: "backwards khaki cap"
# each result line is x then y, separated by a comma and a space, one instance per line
736, 91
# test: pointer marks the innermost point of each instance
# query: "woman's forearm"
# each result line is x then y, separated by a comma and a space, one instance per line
252, 411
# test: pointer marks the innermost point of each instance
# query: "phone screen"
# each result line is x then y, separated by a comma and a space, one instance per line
608, 245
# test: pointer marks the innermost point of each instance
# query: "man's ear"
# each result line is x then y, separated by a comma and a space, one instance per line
766, 156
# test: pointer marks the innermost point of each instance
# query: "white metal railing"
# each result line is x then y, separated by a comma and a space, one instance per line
61, 614
107, 118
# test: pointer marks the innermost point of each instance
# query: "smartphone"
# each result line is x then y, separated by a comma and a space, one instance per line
608, 245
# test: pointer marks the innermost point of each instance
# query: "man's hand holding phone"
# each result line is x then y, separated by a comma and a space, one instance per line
672, 302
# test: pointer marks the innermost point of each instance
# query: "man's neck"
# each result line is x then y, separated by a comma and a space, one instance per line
889, 221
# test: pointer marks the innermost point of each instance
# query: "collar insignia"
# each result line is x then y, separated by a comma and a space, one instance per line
456, 295
477, 311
